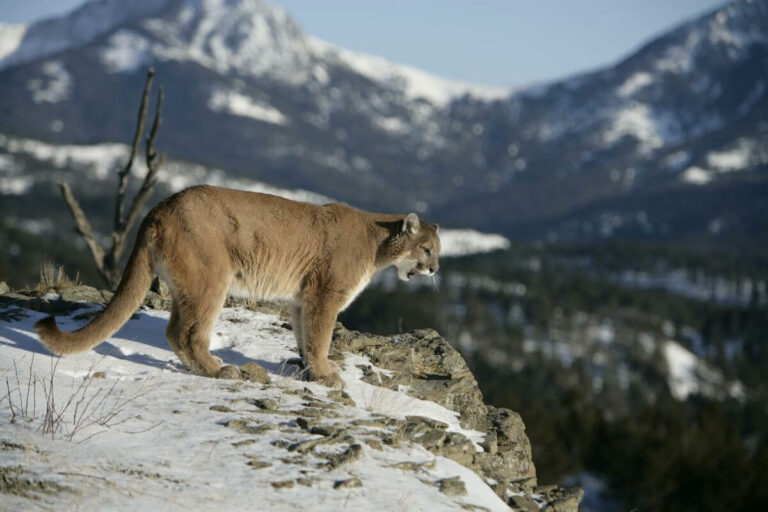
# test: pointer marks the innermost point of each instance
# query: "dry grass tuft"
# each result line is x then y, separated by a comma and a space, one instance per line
55, 278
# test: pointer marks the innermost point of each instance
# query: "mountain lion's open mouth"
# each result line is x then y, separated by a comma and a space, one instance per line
411, 273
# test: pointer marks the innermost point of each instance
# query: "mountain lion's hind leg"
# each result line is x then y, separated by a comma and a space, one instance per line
318, 318
173, 333
198, 314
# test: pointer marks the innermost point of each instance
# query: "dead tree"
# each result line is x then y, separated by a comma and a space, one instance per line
107, 259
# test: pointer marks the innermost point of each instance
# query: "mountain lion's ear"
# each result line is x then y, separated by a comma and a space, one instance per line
411, 224
437, 227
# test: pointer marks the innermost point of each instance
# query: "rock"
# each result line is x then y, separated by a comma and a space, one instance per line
229, 372
264, 403
153, 300
242, 426
425, 363
323, 430
490, 443
512, 443
253, 372
347, 484
99, 375
351, 454
453, 486
82, 293
220, 408
523, 503
560, 500
285, 484
4, 288
342, 397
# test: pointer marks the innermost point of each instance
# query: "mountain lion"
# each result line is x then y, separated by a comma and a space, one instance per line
208, 242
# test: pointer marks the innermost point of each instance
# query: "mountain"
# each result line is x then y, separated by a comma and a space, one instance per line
668, 144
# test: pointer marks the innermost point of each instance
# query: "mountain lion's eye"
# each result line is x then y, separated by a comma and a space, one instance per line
427, 251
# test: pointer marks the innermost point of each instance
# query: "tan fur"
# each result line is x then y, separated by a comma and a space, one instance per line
207, 242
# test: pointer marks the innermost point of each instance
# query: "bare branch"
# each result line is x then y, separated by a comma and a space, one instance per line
84, 228
154, 161
119, 219
107, 260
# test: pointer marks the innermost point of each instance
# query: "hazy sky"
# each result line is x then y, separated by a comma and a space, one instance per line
495, 42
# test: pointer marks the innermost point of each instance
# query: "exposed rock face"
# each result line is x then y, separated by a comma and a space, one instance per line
429, 368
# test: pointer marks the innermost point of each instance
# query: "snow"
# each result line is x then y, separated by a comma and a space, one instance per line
461, 242
697, 176
681, 365
10, 38
638, 121
126, 51
98, 161
23, 44
166, 449
737, 158
689, 375
634, 83
54, 85
233, 102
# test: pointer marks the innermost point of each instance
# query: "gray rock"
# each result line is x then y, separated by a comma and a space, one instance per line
341, 397
253, 372
350, 483
82, 293
4, 288
523, 503
512, 443
229, 372
453, 486
265, 403
426, 363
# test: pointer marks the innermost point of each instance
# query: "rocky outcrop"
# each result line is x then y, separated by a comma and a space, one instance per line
424, 365
420, 363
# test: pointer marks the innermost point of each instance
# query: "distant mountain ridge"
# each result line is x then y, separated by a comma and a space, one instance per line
669, 144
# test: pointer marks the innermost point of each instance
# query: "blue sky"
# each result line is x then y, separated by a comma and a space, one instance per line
495, 42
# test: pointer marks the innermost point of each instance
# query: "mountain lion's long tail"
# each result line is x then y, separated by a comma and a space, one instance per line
129, 295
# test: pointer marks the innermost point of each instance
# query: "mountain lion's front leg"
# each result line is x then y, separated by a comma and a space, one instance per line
318, 318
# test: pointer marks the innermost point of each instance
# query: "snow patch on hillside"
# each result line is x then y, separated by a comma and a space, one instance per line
11, 37
54, 85
125, 51
462, 242
696, 175
98, 161
236, 103
736, 158
634, 83
689, 375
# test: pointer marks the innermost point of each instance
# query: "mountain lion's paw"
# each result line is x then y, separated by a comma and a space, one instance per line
230, 372
332, 381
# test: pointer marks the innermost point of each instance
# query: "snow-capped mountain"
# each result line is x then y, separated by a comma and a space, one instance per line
680, 122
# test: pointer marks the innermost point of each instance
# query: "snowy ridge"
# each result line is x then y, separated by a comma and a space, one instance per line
21, 43
251, 37
414, 82
183, 442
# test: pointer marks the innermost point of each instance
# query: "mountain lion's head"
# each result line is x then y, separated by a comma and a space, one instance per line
421, 248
